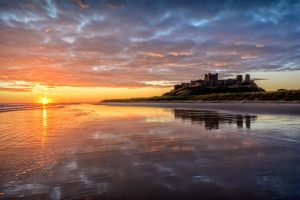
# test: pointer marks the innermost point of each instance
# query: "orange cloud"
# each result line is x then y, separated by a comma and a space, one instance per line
4, 89
154, 55
180, 53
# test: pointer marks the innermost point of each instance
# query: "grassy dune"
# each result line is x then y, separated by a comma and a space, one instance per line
188, 91
280, 95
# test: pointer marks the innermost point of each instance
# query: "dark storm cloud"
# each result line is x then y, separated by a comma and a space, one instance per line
131, 43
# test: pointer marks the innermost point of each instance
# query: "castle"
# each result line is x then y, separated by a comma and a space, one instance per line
212, 80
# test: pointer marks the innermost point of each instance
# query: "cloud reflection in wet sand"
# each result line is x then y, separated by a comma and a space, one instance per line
124, 153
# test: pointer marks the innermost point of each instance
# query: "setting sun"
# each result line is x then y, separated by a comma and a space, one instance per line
44, 101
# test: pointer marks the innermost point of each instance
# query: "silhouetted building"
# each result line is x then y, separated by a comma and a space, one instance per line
247, 78
212, 80
239, 78
213, 77
206, 77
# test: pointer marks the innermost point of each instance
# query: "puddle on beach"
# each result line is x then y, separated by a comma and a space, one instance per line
112, 152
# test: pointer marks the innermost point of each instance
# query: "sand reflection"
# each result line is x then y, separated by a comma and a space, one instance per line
213, 119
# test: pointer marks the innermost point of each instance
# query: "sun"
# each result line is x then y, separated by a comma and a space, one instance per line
44, 101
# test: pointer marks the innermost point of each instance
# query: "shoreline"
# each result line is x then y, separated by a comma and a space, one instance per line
254, 107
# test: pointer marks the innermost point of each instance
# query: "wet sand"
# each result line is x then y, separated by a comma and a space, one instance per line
239, 107
131, 152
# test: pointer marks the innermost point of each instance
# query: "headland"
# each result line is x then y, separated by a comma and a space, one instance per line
211, 89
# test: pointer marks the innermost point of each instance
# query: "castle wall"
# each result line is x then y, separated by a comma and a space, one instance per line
212, 80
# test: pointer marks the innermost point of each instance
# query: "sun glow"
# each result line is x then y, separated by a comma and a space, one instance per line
44, 101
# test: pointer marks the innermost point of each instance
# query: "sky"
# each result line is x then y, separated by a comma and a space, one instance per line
86, 51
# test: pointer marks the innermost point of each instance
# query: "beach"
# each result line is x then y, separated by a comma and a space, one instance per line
289, 108
149, 151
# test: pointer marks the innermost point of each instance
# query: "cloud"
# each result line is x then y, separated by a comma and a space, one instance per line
180, 53
134, 43
154, 55
260, 79
82, 4
4, 89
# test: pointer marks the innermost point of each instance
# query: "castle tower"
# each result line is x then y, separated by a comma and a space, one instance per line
213, 77
247, 78
239, 78
206, 77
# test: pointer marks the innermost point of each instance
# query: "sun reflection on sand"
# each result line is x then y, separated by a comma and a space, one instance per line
44, 117
45, 124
